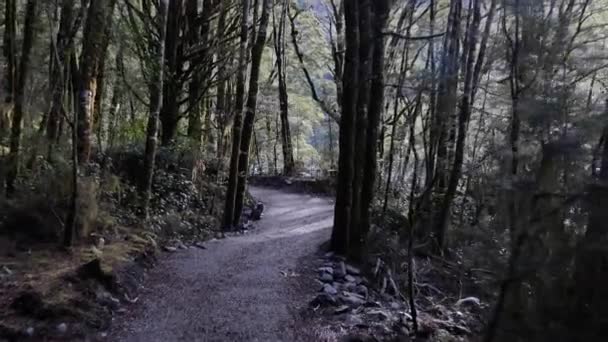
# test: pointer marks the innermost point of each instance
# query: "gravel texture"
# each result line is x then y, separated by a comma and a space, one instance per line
244, 288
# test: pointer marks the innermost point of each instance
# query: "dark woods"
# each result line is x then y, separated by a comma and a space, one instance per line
479, 126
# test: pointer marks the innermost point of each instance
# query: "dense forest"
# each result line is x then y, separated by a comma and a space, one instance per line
472, 133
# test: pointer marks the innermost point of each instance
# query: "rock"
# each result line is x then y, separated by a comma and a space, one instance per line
341, 309
101, 242
340, 271
355, 320
378, 315
330, 290
358, 338
349, 278
471, 301
200, 245
442, 335
352, 299
181, 245
324, 299
326, 278
170, 249
403, 335
62, 328
28, 303
353, 270
395, 305
106, 299
362, 290
256, 213
30, 331
329, 270
361, 280
96, 252
351, 287
373, 304
405, 318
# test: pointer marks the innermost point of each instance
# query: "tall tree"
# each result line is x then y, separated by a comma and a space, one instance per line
237, 126
445, 121
340, 236
365, 52
94, 37
58, 82
381, 10
278, 33
471, 75
22, 76
9, 48
250, 111
156, 100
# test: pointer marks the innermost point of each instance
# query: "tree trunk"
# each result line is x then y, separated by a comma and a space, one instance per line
237, 127
445, 120
340, 236
221, 116
463, 122
381, 12
9, 50
156, 94
94, 37
58, 79
24, 69
366, 52
173, 82
194, 88
250, 110
591, 260
279, 47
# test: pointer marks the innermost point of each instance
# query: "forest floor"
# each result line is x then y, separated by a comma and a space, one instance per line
243, 288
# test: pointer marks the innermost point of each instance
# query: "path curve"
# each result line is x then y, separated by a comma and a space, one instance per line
238, 289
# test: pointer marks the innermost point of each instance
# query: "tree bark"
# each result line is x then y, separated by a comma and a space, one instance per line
445, 118
172, 85
9, 50
94, 36
366, 52
58, 81
229, 208
463, 122
156, 100
250, 111
591, 259
22, 75
279, 47
340, 236
381, 12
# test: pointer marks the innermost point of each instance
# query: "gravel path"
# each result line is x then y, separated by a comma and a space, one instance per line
239, 289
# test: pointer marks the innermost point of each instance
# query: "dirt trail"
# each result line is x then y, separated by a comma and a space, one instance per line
238, 289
